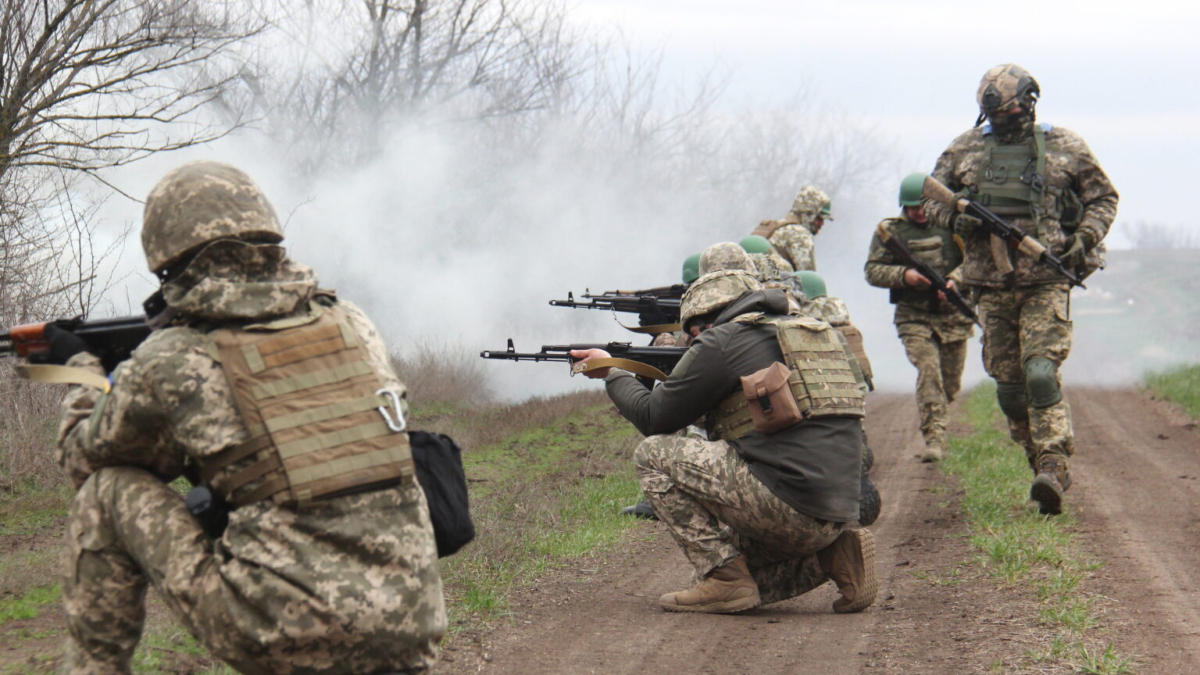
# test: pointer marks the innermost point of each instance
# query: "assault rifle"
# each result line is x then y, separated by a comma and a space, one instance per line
674, 292
653, 362
623, 302
997, 226
113, 340
936, 280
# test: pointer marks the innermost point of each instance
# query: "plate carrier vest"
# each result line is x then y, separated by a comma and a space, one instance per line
821, 378
315, 408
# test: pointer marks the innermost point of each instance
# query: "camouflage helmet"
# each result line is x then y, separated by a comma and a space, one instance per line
755, 243
201, 202
912, 189
812, 283
810, 203
714, 291
1004, 85
725, 256
691, 268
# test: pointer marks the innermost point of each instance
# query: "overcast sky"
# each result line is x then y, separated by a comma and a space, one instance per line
1120, 74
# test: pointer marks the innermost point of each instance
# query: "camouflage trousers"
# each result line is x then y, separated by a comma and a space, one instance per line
1021, 324
128, 529
939, 364
717, 510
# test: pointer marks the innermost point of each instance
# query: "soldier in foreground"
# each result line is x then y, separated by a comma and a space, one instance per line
793, 235
934, 333
272, 391
762, 509
1046, 182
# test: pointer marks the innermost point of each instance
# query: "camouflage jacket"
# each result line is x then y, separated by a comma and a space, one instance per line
884, 270
1070, 165
796, 244
171, 403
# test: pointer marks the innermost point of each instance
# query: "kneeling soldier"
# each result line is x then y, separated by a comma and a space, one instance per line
762, 510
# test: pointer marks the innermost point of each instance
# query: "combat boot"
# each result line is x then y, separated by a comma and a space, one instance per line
1052, 480
934, 449
641, 509
726, 590
850, 562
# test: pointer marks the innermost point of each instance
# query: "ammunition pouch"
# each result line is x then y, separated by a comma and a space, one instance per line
769, 399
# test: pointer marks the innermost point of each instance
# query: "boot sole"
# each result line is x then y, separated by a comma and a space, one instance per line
1049, 499
865, 596
731, 607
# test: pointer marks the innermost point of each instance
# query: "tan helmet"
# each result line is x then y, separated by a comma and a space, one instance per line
809, 203
725, 256
201, 202
714, 291
1002, 86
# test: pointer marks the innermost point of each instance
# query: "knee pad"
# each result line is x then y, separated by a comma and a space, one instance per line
1041, 382
1013, 401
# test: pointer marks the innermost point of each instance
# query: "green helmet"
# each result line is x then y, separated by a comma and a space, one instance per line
755, 244
715, 291
826, 212
691, 268
1002, 86
202, 202
812, 283
912, 189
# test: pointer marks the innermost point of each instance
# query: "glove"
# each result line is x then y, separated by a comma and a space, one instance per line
63, 345
1077, 247
653, 316
967, 226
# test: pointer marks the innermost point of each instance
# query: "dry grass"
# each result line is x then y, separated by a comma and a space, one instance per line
28, 413
442, 374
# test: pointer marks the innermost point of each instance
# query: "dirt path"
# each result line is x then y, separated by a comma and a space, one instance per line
1135, 498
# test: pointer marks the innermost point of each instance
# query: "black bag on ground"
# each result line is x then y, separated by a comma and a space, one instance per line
440, 472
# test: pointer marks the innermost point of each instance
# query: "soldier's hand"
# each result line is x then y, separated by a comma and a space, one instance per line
967, 226
586, 355
915, 279
63, 345
942, 294
1077, 247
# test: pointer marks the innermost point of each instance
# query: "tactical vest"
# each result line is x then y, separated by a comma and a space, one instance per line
933, 246
821, 378
1012, 183
316, 409
855, 338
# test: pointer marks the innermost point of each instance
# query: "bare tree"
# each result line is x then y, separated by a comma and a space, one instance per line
87, 85
1147, 235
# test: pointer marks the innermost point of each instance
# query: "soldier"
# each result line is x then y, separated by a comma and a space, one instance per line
792, 235
761, 508
1046, 181
269, 389
934, 333
833, 311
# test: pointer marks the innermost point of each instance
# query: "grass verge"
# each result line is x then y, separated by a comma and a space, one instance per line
1018, 546
1181, 385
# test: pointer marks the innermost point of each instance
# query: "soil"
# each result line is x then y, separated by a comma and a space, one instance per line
1136, 478
1136, 475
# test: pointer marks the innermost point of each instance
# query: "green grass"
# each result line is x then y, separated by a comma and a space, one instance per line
1017, 547
34, 510
1180, 384
29, 604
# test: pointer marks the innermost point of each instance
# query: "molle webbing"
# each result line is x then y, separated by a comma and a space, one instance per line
822, 379
855, 337
307, 392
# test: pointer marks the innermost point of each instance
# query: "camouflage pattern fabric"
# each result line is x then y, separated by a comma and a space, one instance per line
808, 204
831, 310
939, 364
200, 202
347, 585
725, 255
716, 509
796, 245
713, 291
1070, 165
1019, 325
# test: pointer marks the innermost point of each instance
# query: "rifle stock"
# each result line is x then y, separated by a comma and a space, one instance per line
113, 340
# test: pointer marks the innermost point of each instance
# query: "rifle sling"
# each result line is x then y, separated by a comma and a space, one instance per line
635, 367
653, 330
63, 375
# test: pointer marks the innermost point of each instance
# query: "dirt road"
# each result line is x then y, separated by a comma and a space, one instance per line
1135, 497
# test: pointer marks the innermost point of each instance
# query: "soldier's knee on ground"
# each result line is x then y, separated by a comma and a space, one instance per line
1013, 400
1041, 382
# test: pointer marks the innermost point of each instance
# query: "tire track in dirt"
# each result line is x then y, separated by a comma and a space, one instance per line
606, 620
1136, 491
